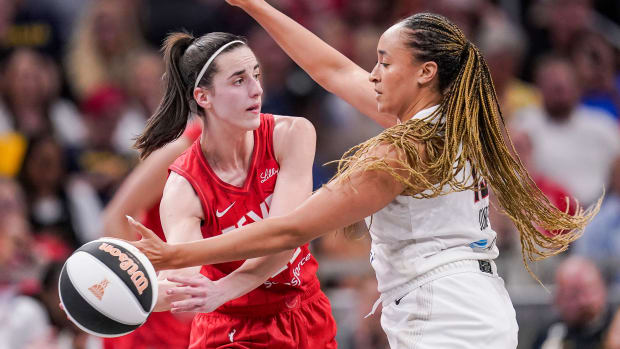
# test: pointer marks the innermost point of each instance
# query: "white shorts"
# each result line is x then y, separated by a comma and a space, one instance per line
465, 308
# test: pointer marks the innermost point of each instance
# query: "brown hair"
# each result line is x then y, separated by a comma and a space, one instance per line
467, 130
184, 56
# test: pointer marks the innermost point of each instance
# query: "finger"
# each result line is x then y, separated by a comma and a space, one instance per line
191, 303
63, 309
145, 232
185, 290
186, 280
192, 309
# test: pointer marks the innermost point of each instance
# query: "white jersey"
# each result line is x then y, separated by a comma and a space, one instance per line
412, 236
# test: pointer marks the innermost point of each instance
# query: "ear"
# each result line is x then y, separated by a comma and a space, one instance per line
201, 96
428, 71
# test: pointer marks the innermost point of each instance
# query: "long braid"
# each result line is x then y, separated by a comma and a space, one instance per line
467, 131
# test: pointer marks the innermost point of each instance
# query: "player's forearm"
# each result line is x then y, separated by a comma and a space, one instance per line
253, 273
311, 53
267, 237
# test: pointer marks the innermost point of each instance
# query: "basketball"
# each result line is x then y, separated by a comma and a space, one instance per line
108, 288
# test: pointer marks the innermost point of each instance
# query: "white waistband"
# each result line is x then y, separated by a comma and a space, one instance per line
462, 266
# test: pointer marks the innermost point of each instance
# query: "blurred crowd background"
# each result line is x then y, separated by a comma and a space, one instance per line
79, 79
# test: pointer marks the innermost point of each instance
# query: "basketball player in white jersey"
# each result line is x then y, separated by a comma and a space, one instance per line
422, 183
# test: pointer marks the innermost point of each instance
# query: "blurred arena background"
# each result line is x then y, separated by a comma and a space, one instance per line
79, 78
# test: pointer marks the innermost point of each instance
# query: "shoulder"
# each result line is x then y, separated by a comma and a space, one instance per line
292, 125
292, 135
179, 197
177, 185
394, 154
183, 147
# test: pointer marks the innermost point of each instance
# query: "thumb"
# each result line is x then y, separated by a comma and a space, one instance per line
145, 232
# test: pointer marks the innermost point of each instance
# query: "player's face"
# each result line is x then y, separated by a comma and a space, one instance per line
394, 74
235, 96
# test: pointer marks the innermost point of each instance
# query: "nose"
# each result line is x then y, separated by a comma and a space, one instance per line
256, 90
374, 74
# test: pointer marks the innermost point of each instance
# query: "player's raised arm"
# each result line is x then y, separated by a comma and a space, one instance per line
328, 67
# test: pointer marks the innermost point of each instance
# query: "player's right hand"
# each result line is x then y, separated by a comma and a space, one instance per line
201, 294
157, 251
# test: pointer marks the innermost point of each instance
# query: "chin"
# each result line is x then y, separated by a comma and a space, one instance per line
254, 122
383, 108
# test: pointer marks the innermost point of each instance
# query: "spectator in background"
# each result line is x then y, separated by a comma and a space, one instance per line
553, 26
595, 64
44, 181
102, 43
580, 299
30, 24
503, 45
22, 319
15, 239
601, 239
30, 102
197, 16
573, 145
145, 90
103, 163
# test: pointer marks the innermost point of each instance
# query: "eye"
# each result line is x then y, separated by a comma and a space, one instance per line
257, 76
385, 65
238, 81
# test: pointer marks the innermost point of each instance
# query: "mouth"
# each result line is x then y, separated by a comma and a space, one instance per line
254, 108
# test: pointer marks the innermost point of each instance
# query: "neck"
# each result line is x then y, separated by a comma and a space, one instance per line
226, 148
426, 100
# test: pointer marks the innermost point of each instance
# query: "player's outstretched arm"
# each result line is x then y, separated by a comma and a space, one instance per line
334, 206
328, 67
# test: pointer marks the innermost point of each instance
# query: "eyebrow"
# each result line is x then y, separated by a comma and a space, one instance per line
240, 72
382, 52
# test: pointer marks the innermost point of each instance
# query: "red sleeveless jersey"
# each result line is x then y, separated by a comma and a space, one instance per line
227, 207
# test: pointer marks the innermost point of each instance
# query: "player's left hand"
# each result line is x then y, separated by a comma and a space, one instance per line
204, 295
157, 251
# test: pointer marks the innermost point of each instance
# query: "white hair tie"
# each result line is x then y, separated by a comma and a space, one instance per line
204, 68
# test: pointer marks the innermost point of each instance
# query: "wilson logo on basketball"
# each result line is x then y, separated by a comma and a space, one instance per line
137, 277
99, 289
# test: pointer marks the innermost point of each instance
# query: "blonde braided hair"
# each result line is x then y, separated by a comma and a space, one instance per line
467, 128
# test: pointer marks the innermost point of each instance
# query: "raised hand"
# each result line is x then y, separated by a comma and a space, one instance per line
204, 295
157, 251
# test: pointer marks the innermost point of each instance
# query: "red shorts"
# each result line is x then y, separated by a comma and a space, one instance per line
305, 322
162, 330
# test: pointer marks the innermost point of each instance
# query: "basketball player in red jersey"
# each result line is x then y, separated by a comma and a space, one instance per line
140, 195
245, 166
